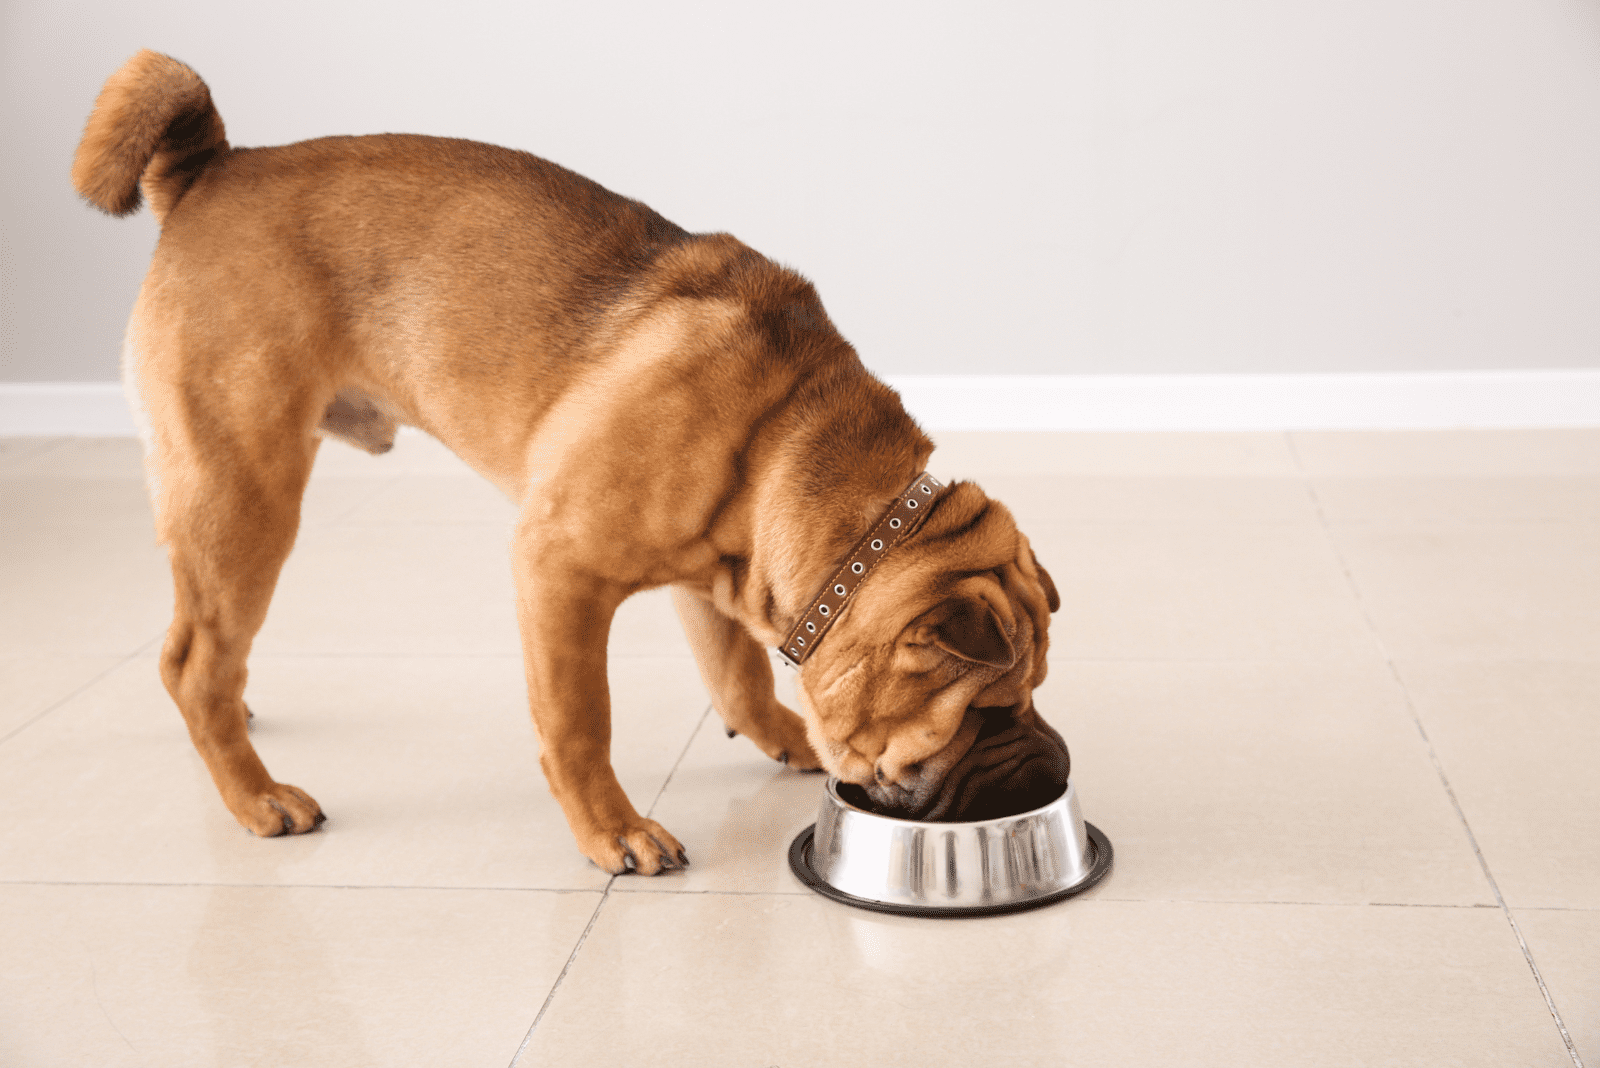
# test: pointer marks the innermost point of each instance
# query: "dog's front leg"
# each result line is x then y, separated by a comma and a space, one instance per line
565, 617
737, 671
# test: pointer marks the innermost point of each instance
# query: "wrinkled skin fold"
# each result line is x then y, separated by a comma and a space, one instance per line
1016, 762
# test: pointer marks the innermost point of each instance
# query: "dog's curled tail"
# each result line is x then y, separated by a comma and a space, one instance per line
153, 124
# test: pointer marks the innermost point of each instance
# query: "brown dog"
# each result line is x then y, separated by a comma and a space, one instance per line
665, 408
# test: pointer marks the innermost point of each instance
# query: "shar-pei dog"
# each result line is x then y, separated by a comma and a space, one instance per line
664, 408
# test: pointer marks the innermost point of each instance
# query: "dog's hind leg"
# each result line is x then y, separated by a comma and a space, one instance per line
737, 671
231, 470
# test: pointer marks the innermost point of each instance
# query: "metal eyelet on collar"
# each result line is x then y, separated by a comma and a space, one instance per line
877, 544
857, 567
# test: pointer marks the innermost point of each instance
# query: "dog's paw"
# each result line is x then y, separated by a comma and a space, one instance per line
643, 847
281, 809
793, 748
781, 734
803, 758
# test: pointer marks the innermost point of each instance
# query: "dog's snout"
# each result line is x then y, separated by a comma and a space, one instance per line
907, 776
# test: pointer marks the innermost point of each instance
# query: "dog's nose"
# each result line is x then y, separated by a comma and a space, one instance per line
907, 774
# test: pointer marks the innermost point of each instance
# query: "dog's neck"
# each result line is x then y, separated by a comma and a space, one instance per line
906, 512
805, 511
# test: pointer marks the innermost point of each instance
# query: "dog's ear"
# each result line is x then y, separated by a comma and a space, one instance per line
973, 632
1044, 580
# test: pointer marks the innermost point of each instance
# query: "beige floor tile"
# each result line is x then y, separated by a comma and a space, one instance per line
418, 498
331, 500
1041, 502
1193, 591
713, 980
1260, 782
428, 768
1445, 453
1478, 591
442, 589
1566, 946
414, 453
1520, 743
31, 684
14, 450
975, 454
1215, 781
254, 976
647, 625
85, 588
1459, 500
80, 458
57, 501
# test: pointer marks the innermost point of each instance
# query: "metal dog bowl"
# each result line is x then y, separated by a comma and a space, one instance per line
949, 869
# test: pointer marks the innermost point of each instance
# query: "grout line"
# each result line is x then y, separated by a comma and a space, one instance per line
565, 968
1444, 779
1294, 904
604, 897
128, 659
1527, 954
623, 889
695, 733
722, 893
301, 886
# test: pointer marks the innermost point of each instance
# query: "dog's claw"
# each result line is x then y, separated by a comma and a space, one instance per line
783, 757
319, 819
683, 858
732, 733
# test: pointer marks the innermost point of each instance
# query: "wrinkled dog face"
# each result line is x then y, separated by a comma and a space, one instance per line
922, 693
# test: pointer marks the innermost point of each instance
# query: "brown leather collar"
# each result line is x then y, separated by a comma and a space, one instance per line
906, 515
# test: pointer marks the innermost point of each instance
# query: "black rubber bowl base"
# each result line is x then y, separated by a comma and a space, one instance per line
800, 864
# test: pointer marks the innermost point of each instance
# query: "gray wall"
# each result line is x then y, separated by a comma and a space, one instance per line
1052, 187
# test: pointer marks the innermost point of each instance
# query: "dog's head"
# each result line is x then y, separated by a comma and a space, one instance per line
922, 693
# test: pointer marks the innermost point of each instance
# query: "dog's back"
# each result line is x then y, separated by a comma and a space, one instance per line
362, 210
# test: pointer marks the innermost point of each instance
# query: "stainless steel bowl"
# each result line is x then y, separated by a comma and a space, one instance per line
949, 869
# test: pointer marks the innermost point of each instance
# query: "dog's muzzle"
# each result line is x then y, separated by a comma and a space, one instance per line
1017, 763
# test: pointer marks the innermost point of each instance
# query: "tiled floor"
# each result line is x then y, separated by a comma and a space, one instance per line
1333, 697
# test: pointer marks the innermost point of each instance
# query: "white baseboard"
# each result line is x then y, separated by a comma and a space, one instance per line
64, 409
1402, 401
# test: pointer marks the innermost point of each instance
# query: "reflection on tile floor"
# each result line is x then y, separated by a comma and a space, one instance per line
1330, 695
